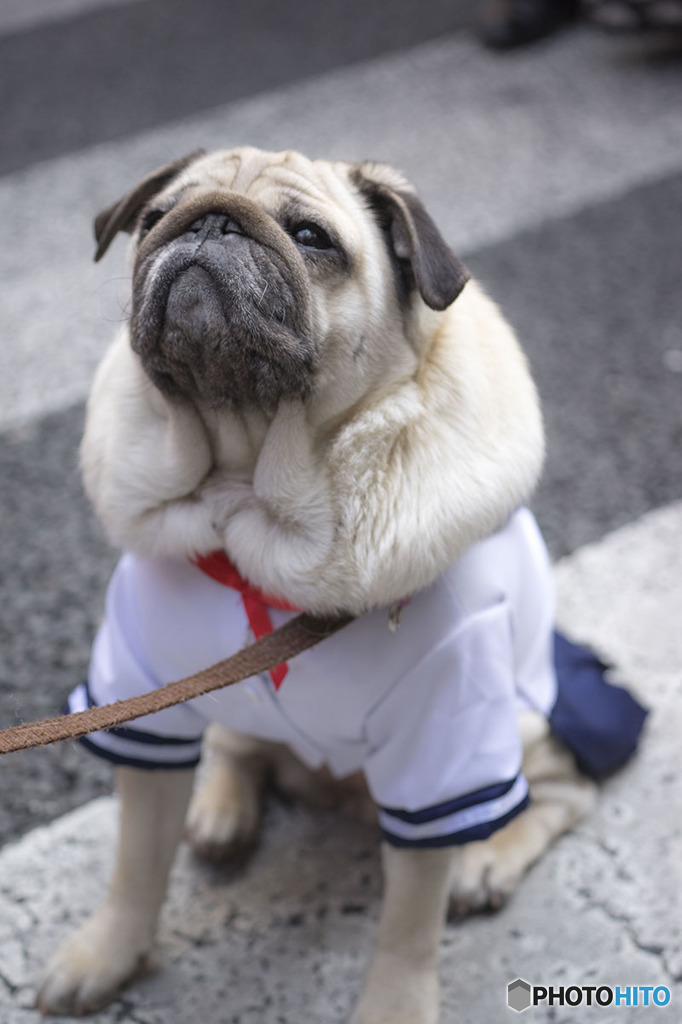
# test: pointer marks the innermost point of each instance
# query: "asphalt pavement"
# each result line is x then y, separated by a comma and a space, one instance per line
556, 172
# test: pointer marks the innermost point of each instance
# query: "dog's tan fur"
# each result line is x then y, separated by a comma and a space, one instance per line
420, 434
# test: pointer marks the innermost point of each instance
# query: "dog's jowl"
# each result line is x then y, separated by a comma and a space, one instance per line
314, 408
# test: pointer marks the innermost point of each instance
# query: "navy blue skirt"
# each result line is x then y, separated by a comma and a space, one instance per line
600, 722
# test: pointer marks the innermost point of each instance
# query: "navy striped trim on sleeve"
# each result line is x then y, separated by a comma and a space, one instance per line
117, 758
478, 796
136, 748
473, 816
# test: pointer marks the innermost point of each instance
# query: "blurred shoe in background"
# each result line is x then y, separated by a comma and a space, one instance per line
505, 24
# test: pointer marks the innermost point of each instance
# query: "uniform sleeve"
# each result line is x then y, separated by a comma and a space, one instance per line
445, 759
120, 668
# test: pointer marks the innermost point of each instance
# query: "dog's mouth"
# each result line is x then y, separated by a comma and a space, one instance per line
221, 306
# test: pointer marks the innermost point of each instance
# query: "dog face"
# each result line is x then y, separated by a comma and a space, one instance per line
259, 277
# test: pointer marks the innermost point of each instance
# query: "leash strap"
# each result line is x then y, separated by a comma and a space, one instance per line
276, 648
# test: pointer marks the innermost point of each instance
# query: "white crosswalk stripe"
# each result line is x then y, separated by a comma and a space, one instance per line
20, 15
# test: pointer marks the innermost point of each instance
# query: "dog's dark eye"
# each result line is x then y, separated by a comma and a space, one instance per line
150, 218
310, 235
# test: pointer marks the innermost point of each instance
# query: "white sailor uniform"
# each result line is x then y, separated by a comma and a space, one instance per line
428, 712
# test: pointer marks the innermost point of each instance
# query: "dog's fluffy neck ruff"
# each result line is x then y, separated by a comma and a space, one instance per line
327, 519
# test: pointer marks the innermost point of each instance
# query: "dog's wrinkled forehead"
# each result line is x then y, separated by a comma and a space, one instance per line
285, 185
363, 205
256, 173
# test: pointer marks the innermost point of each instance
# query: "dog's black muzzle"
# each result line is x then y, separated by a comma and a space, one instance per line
221, 304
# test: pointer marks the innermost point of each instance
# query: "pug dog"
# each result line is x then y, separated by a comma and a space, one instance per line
314, 407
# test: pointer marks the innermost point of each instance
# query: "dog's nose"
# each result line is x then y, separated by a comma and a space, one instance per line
214, 225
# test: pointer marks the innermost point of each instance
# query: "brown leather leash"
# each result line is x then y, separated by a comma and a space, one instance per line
292, 638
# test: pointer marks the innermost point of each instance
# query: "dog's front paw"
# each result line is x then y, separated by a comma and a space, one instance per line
397, 992
93, 965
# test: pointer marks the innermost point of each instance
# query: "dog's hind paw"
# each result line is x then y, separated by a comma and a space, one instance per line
217, 835
482, 883
486, 873
223, 821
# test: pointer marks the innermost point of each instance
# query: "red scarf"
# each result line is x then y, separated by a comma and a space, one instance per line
218, 566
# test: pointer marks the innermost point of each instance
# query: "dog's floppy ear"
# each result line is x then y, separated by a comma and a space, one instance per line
414, 239
121, 216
